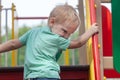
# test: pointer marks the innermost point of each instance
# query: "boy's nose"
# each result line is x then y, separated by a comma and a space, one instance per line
62, 34
66, 36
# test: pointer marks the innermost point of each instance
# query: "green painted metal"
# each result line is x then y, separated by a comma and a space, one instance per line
116, 33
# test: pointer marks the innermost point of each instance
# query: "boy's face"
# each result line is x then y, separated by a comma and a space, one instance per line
63, 31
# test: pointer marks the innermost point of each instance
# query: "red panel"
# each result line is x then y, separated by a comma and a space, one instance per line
67, 73
111, 73
106, 31
75, 75
11, 73
11, 76
96, 55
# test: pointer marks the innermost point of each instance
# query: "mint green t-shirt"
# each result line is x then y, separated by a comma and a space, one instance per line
42, 47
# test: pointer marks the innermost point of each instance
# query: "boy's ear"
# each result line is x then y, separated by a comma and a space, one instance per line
52, 21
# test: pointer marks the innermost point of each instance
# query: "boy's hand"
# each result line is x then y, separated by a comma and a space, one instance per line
95, 28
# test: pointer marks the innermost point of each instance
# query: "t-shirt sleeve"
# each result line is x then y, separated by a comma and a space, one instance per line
63, 43
24, 37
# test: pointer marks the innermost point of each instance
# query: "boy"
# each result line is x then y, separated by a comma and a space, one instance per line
45, 43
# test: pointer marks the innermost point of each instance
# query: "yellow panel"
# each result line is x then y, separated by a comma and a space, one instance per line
14, 60
66, 56
89, 44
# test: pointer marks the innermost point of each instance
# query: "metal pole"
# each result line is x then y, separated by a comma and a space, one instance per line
0, 27
30, 18
0, 20
14, 62
6, 8
6, 25
73, 56
95, 42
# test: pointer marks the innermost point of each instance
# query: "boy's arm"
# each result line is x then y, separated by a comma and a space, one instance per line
81, 40
10, 45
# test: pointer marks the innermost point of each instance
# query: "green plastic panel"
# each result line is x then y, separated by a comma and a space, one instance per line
116, 33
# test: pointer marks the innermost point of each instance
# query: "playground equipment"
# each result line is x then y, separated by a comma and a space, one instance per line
99, 48
15, 29
6, 26
116, 38
67, 73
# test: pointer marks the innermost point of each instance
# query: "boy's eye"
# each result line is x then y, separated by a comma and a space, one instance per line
64, 31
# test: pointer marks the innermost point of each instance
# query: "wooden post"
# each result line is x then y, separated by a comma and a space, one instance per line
99, 21
82, 50
105, 1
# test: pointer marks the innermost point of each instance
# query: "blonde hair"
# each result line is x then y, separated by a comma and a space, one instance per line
65, 14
